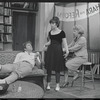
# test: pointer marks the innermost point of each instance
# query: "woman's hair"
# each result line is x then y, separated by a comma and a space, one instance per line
79, 28
24, 44
55, 20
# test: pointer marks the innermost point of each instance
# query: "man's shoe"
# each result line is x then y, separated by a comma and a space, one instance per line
3, 87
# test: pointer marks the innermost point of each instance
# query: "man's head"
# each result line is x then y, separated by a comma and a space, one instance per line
27, 46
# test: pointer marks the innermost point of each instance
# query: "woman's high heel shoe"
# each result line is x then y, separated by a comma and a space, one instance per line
65, 84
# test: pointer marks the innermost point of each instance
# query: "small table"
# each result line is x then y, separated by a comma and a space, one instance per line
28, 90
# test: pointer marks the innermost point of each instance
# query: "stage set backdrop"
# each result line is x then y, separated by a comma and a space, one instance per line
85, 14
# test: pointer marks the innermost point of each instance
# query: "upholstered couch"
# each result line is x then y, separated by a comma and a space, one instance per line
37, 76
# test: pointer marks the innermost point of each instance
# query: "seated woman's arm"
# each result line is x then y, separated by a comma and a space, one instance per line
71, 44
78, 45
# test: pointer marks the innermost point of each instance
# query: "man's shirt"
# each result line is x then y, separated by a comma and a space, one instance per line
24, 56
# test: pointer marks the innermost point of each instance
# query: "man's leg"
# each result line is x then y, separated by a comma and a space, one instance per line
66, 83
20, 70
10, 79
7, 68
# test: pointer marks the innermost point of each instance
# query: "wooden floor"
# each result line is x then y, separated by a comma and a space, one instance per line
74, 92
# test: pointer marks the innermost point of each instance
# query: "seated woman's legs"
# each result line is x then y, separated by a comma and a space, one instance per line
66, 75
72, 65
75, 77
66, 83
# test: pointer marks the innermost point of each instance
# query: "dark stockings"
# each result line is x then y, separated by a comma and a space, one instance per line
57, 75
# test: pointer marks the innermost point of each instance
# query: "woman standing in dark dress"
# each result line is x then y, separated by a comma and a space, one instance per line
54, 58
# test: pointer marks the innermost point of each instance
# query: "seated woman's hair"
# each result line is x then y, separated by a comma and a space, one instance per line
79, 28
55, 20
25, 43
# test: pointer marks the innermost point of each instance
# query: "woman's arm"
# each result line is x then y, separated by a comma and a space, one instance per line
64, 41
78, 45
71, 44
48, 43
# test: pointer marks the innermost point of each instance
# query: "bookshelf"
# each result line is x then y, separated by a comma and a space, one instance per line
5, 27
7, 32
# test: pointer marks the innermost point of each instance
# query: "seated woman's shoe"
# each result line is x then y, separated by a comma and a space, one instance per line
65, 84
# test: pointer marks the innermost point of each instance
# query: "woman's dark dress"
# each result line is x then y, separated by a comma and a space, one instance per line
54, 59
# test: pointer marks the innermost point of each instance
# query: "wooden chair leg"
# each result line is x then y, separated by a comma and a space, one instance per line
92, 76
82, 80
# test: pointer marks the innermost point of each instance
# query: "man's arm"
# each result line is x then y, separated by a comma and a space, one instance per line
38, 60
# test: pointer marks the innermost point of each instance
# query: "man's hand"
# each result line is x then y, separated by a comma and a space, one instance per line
37, 60
36, 55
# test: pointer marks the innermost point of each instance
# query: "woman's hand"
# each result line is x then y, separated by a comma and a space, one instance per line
70, 50
45, 48
65, 55
46, 45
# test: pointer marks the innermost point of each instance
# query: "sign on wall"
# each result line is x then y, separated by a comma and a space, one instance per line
76, 13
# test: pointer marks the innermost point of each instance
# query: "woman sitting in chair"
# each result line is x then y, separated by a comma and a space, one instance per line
79, 49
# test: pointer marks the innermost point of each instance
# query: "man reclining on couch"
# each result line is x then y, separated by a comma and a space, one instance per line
22, 66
